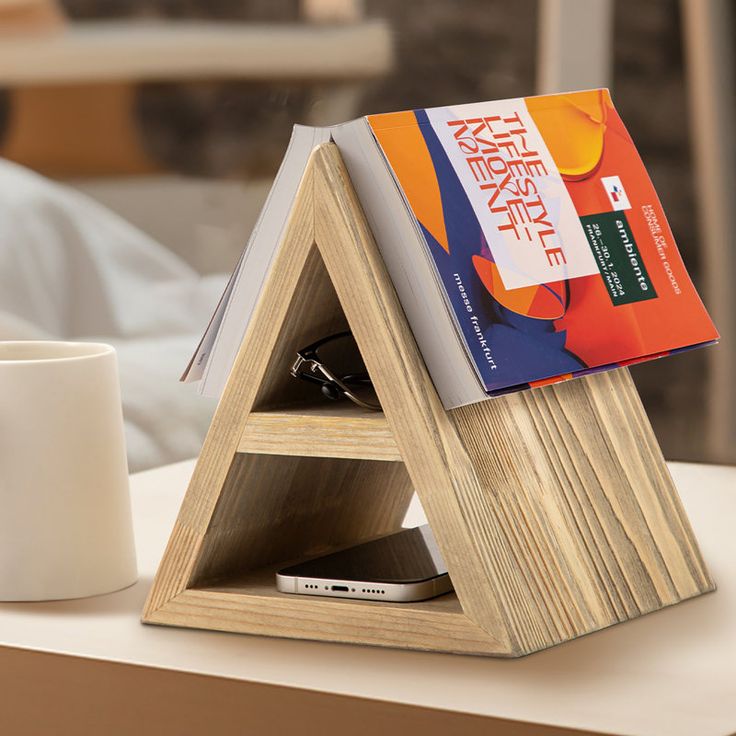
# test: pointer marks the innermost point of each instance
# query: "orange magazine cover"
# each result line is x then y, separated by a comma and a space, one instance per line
546, 232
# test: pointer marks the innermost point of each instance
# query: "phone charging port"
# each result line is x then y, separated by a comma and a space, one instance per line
342, 588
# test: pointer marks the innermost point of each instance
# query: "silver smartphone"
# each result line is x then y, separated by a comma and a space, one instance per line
401, 567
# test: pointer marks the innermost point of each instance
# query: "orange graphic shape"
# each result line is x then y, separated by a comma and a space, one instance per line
403, 145
573, 127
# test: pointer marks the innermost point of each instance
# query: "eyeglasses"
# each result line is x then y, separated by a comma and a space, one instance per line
334, 364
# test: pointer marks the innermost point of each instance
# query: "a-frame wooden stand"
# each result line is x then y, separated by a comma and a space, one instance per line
553, 508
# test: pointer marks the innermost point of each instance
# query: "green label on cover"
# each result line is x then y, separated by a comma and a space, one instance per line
618, 258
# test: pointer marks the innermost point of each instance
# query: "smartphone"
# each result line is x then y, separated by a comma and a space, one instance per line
401, 567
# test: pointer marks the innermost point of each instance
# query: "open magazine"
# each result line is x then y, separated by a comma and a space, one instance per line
524, 238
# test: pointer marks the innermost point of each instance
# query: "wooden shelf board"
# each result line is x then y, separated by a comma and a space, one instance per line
96, 51
251, 604
324, 430
262, 583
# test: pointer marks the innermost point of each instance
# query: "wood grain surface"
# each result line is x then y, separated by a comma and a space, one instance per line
340, 430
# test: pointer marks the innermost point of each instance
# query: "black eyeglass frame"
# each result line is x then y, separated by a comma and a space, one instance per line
309, 367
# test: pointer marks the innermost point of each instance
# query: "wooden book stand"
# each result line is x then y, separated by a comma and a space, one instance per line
553, 508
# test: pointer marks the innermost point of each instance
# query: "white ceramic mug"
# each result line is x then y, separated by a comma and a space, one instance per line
65, 523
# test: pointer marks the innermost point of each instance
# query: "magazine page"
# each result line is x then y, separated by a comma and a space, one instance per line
547, 235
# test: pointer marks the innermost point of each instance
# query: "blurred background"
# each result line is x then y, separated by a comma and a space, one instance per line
157, 126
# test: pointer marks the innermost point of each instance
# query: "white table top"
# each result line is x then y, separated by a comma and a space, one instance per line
96, 51
672, 672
